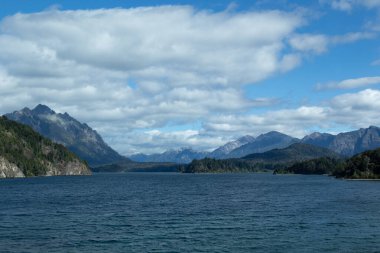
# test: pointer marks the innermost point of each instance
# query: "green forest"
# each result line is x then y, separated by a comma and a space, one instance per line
365, 165
31, 152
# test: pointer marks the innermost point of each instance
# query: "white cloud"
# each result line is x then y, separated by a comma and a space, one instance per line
164, 42
348, 5
350, 83
142, 68
343, 5
352, 37
309, 42
342, 110
146, 68
175, 55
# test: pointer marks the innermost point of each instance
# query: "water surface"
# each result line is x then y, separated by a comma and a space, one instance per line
165, 212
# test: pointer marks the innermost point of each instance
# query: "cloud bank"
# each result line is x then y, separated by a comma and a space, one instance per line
134, 73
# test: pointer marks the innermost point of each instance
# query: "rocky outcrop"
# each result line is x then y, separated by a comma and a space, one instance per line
73, 168
9, 170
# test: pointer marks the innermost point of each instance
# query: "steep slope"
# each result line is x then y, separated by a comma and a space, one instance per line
262, 143
62, 128
295, 152
23, 152
365, 165
184, 155
349, 143
224, 150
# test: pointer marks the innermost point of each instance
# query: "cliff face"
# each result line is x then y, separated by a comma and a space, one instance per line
71, 168
8, 169
25, 153
76, 168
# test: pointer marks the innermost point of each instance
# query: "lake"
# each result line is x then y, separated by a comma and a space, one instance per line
169, 212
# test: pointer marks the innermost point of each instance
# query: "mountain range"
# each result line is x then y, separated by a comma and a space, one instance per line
64, 129
345, 144
293, 153
269, 160
184, 155
89, 145
235, 149
227, 148
349, 143
263, 143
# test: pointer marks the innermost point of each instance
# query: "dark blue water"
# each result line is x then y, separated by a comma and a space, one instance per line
143, 212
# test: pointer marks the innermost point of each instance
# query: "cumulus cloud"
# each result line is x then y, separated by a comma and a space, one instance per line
172, 53
343, 109
142, 68
309, 42
350, 83
128, 72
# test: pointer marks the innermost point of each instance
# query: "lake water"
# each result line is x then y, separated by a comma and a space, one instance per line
158, 212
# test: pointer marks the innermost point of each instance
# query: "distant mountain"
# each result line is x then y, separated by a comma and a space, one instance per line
25, 153
263, 143
184, 155
349, 143
62, 128
294, 153
234, 149
275, 159
224, 150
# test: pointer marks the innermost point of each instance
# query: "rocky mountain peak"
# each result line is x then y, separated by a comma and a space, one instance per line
246, 139
42, 109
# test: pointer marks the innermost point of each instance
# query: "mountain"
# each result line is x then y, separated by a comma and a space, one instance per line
62, 128
224, 150
263, 143
275, 159
347, 144
184, 155
293, 153
24, 153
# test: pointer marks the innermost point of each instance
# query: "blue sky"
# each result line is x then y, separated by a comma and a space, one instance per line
157, 75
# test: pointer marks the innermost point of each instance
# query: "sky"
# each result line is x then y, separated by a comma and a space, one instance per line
156, 75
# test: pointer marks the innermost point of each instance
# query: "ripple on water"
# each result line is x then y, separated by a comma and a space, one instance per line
189, 213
